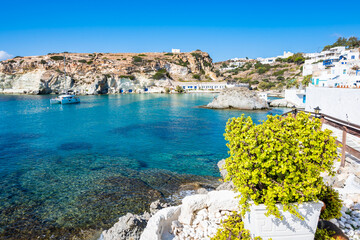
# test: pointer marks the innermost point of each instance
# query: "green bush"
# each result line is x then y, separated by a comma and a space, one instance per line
142, 55
196, 76
324, 234
332, 202
179, 89
43, 61
90, 62
233, 229
169, 54
137, 59
278, 161
11, 61
161, 73
57, 58
131, 77
196, 55
82, 61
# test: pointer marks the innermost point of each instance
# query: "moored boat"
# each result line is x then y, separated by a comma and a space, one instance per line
65, 99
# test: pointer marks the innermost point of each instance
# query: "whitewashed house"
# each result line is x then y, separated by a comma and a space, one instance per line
174, 50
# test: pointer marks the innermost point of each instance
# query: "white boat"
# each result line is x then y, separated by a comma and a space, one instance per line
65, 99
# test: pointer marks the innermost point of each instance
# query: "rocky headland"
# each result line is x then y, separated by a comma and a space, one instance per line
239, 98
102, 73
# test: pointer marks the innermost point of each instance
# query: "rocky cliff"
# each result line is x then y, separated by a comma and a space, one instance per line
101, 73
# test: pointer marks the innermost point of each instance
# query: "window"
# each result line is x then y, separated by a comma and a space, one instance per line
352, 57
344, 71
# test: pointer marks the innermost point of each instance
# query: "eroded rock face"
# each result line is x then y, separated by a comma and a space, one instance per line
100, 73
282, 103
240, 98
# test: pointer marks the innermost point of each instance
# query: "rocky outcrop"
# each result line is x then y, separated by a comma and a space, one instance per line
239, 98
282, 103
102, 73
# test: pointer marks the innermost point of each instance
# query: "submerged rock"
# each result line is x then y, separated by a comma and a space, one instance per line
240, 98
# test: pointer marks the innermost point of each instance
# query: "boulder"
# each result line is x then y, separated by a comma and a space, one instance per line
129, 226
239, 98
159, 225
282, 103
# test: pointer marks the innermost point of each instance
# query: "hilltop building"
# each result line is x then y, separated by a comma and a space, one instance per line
273, 59
174, 50
337, 67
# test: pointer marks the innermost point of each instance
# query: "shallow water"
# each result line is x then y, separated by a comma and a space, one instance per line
81, 166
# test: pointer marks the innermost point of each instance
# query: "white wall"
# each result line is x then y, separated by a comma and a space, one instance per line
295, 96
336, 102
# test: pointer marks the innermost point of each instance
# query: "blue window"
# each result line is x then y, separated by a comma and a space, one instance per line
304, 99
344, 71
352, 57
195, 87
130, 90
183, 87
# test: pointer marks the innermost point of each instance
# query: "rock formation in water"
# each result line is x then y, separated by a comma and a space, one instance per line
101, 73
240, 98
282, 103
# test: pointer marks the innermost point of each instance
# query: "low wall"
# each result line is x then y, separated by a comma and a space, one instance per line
340, 103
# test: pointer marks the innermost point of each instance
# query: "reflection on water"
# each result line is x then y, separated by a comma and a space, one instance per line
78, 167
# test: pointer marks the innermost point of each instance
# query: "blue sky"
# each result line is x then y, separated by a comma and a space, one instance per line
224, 29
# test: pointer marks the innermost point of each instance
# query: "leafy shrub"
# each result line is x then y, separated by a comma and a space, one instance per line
280, 78
196, 55
137, 59
82, 61
12, 61
161, 73
224, 65
323, 234
167, 90
169, 54
57, 58
232, 229
179, 89
278, 161
18, 57
279, 73
196, 76
43, 61
90, 62
207, 64
142, 55
332, 202
131, 77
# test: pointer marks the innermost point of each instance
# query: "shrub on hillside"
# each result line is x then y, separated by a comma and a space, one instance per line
57, 58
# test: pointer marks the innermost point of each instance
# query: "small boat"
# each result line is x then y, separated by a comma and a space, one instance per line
65, 99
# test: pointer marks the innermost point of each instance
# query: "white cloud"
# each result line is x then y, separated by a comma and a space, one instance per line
4, 55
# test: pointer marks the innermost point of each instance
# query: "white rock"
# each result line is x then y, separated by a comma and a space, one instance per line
159, 225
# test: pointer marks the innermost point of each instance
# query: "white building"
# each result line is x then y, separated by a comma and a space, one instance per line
271, 60
174, 50
336, 67
207, 86
296, 96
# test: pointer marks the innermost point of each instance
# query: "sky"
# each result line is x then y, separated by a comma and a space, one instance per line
224, 29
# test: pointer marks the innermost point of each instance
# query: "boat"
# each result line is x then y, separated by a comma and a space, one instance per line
67, 98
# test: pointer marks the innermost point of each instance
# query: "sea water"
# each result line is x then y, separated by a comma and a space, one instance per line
81, 166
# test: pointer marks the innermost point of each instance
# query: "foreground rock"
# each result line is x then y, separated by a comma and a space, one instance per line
239, 98
198, 217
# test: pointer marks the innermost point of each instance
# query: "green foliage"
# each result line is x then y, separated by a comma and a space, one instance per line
232, 229
18, 57
131, 77
82, 61
182, 63
278, 161
169, 54
196, 76
307, 80
351, 42
57, 58
11, 61
323, 234
224, 65
266, 85
179, 89
332, 202
137, 59
43, 61
161, 73
167, 90
142, 55
207, 64
90, 62
279, 73
196, 55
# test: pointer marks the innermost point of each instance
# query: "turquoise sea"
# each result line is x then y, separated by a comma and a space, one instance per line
65, 170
